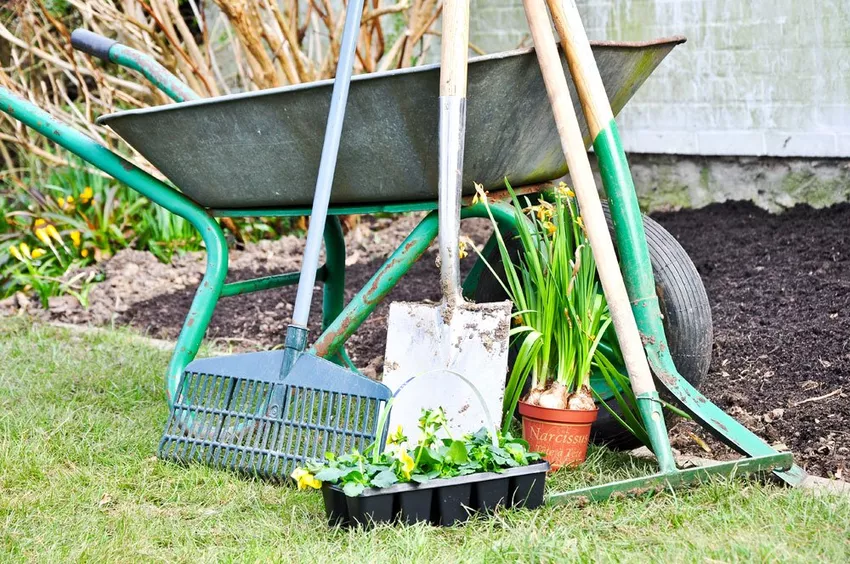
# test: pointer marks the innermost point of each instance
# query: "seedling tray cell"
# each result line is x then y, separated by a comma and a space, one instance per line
442, 502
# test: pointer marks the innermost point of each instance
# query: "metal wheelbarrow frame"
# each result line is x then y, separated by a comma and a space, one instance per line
340, 321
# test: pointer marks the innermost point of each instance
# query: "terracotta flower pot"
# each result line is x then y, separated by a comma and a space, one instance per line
562, 434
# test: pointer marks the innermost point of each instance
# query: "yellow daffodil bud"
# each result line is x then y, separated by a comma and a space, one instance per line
51, 230
13, 250
550, 227
70, 200
61, 201
76, 238
461, 249
84, 253
39, 223
25, 250
38, 253
87, 195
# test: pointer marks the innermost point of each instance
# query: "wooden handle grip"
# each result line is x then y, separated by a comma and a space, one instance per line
574, 149
588, 81
455, 45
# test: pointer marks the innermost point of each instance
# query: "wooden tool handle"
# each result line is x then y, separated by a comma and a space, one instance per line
455, 45
588, 198
588, 81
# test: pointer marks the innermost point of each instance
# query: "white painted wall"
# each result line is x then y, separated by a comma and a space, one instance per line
756, 77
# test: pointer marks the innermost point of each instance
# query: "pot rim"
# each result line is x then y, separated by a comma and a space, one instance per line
577, 416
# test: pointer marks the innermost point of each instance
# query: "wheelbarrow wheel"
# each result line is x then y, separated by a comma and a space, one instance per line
684, 304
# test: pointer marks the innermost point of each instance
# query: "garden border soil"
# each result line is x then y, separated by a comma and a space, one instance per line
779, 287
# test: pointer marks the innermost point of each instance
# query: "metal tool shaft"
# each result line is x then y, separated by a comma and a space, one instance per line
327, 165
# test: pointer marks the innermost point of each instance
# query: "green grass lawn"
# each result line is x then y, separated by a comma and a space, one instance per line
80, 418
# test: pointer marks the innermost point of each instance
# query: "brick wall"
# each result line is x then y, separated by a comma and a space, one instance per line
756, 77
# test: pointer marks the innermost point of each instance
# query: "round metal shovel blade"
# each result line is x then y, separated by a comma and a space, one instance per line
428, 343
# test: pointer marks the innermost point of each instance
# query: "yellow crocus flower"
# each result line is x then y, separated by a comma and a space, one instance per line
84, 253
42, 235
76, 238
25, 250
13, 250
39, 223
51, 230
61, 202
87, 195
305, 479
38, 253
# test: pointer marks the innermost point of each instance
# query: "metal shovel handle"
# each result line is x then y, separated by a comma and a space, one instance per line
455, 42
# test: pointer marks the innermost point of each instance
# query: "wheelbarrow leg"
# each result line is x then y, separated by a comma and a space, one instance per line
203, 304
333, 293
637, 270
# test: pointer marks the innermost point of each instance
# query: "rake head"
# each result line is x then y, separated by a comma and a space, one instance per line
237, 413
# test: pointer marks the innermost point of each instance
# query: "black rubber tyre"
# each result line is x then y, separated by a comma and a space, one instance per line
684, 304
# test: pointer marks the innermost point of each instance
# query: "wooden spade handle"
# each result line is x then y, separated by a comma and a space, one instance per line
588, 81
588, 198
454, 49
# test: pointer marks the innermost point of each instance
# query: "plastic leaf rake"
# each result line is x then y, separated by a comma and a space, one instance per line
231, 422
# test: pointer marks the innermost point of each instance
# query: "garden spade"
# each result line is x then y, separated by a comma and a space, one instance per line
267, 412
453, 336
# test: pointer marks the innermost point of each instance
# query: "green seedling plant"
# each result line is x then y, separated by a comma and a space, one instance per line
561, 320
431, 457
561, 313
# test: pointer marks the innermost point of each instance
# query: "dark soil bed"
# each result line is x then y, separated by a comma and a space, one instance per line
779, 286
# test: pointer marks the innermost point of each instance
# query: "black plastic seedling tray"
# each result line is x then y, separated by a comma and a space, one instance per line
439, 502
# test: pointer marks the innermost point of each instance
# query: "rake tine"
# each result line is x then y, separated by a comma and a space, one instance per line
225, 407
203, 418
319, 432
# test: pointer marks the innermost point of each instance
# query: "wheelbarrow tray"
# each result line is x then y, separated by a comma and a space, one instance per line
261, 149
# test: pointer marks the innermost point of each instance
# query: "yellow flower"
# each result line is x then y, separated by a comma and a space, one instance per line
86, 195
305, 479
461, 249
61, 201
407, 463
84, 253
13, 250
550, 227
39, 223
580, 222
25, 250
75, 237
518, 319
544, 211
38, 253
42, 235
398, 437
71, 201
51, 230
564, 190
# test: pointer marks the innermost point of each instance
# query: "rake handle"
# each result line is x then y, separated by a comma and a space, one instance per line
596, 227
327, 165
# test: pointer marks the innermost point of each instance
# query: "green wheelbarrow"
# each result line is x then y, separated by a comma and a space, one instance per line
254, 155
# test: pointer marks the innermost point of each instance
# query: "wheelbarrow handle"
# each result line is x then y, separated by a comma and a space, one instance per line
111, 51
92, 44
